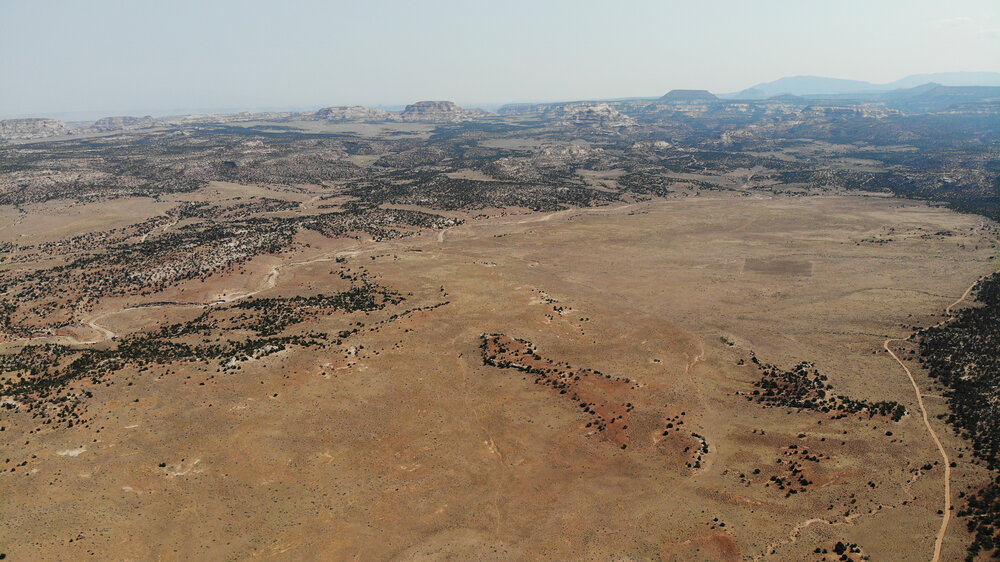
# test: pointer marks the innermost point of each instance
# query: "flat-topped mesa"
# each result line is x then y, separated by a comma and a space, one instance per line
689, 95
438, 112
597, 115
355, 113
123, 123
37, 128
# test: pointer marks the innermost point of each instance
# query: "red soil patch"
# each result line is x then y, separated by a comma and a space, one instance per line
715, 545
608, 402
603, 398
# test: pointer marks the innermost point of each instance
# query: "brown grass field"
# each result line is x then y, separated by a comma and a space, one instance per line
409, 446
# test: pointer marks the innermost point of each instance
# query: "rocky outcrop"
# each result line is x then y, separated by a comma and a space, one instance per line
545, 161
123, 123
355, 113
26, 129
647, 146
597, 116
439, 112
823, 122
523, 109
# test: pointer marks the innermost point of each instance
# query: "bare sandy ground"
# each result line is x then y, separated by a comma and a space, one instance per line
413, 448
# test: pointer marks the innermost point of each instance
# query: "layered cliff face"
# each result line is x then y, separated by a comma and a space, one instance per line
355, 113
591, 115
597, 116
439, 112
123, 123
25, 129
873, 121
864, 111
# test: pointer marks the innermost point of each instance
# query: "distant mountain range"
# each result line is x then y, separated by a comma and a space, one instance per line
963, 92
820, 86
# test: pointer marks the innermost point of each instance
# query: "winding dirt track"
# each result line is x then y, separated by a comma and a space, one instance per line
939, 540
106, 334
550, 216
164, 228
793, 537
944, 455
272, 277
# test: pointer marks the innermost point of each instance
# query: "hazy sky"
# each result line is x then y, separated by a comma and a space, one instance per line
138, 56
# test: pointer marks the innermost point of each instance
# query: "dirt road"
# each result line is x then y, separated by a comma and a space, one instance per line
939, 540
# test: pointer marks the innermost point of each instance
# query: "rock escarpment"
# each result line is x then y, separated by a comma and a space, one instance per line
355, 113
26, 129
123, 123
439, 112
597, 116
